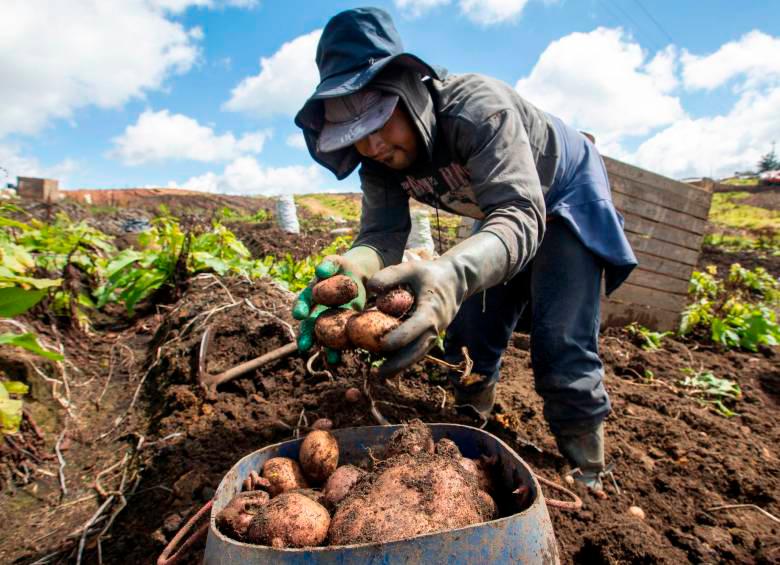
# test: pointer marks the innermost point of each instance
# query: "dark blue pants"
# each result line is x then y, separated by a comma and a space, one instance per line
562, 288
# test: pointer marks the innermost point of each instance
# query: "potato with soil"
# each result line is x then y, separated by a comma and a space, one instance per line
367, 329
290, 520
334, 291
395, 302
411, 495
340, 483
283, 474
319, 455
234, 519
330, 329
413, 438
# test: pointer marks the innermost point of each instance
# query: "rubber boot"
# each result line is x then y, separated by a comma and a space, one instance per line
585, 451
479, 402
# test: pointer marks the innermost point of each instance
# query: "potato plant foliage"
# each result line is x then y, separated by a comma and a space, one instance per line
738, 311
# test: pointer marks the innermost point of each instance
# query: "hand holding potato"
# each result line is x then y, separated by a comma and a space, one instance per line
339, 283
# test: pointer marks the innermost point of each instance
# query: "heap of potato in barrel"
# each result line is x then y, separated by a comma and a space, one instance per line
417, 487
343, 328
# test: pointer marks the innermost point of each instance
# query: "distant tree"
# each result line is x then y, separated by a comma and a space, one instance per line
769, 161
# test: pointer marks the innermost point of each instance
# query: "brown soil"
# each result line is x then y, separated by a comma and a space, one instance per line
723, 259
674, 455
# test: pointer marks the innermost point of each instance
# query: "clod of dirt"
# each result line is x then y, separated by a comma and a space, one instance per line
415, 437
235, 518
290, 520
319, 455
395, 302
334, 291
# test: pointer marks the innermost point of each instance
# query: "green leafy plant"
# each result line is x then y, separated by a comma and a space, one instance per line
713, 390
648, 339
736, 312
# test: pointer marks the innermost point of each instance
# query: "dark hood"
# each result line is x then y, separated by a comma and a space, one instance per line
358, 47
413, 92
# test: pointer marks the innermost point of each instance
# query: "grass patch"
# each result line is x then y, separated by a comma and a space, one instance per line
729, 212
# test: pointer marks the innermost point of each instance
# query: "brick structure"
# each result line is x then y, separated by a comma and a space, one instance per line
45, 190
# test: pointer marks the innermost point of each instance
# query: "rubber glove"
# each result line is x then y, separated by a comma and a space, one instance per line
359, 263
440, 287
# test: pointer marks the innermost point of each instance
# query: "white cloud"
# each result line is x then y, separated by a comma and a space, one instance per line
755, 57
285, 81
57, 57
178, 6
417, 8
296, 140
14, 163
602, 82
716, 145
482, 12
489, 12
160, 136
246, 176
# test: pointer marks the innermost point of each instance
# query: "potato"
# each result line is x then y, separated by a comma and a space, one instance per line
234, 519
335, 291
283, 474
316, 495
413, 438
330, 329
319, 455
340, 483
255, 482
322, 424
290, 520
488, 506
367, 329
480, 470
411, 497
353, 395
448, 448
395, 302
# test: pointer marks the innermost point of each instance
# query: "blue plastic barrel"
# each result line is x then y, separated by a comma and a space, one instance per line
524, 537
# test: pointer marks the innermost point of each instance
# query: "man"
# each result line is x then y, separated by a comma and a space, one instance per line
547, 228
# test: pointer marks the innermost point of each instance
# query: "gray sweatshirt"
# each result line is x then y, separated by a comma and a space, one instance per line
489, 155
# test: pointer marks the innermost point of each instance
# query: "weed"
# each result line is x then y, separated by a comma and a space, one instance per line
712, 390
648, 339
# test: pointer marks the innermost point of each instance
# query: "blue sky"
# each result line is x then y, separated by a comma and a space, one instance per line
201, 93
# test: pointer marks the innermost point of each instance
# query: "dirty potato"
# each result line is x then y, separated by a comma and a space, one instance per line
413, 438
367, 329
414, 496
319, 455
290, 520
283, 474
234, 519
335, 291
340, 483
330, 329
395, 302
447, 448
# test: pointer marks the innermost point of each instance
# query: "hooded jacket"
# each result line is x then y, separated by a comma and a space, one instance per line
490, 155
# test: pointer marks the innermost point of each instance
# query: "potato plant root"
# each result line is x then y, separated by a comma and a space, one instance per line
674, 456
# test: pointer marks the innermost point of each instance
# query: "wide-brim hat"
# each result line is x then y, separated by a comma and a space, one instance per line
355, 46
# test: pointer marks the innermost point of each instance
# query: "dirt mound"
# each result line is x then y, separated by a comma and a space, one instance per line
263, 239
